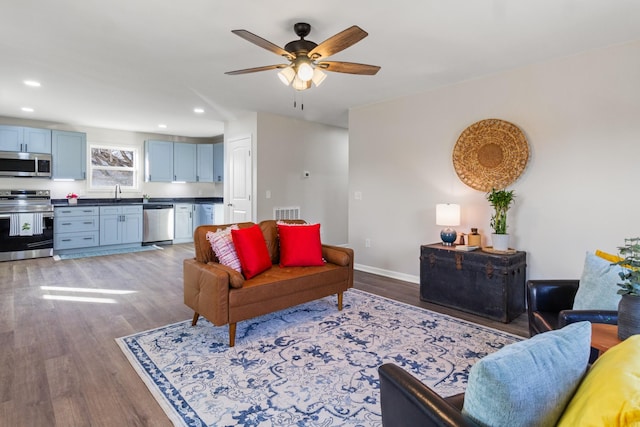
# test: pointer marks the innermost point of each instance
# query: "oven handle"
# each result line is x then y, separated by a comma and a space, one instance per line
44, 215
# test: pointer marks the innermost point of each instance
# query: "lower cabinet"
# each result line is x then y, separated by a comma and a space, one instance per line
120, 224
86, 227
183, 223
76, 227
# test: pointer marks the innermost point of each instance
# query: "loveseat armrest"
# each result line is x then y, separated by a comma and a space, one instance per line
608, 317
406, 401
206, 291
338, 255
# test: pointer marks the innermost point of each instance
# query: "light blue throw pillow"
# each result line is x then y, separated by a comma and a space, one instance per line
598, 288
529, 383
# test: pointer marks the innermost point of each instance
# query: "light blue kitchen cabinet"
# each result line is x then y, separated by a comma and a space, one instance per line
183, 223
158, 160
184, 162
25, 139
68, 155
218, 162
120, 224
203, 214
204, 162
76, 227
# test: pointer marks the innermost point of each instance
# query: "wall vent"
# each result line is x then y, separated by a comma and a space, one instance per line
287, 213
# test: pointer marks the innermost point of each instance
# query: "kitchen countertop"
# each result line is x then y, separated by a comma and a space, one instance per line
136, 201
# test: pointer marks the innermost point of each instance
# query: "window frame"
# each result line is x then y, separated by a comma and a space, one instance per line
135, 169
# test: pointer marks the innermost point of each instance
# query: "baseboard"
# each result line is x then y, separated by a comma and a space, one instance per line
388, 273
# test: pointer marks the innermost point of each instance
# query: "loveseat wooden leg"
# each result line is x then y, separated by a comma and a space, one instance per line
339, 301
195, 319
232, 334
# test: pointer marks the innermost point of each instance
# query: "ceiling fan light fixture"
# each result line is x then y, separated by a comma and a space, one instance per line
299, 84
304, 69
318, 77
286, 75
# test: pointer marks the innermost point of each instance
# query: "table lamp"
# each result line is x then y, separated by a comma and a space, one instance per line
448, 215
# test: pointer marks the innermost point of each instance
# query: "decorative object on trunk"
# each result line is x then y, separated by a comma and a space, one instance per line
501, 201
474, 238
448, 215
491, 153
629, 306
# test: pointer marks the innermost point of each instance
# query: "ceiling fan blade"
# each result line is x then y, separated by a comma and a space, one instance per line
256, 69
265, 44
339, 42
349, 67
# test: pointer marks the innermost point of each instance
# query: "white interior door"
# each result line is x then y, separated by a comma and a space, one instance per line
241, 177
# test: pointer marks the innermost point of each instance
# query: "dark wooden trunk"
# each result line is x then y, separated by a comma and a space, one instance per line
487, 284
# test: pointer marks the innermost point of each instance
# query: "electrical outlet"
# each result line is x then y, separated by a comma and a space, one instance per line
367, 243
357, 195
267, 194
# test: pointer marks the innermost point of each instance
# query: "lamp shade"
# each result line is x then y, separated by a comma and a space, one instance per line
447, 214
287, 75
305, 71
298, 84
318, 77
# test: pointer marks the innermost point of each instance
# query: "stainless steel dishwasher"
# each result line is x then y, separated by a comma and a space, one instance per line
158, 224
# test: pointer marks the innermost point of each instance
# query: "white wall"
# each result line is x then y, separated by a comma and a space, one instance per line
283, 148
286, 148
112, 137
581, 116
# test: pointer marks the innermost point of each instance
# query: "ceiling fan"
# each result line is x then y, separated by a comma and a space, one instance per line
306, 58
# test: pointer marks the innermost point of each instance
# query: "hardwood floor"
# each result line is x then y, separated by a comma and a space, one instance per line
59, 362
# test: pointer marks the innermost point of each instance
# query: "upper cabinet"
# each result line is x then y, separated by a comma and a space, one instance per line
204, 162
25, 139
158, 161
184, 162
167, 161
69, 155
218, 162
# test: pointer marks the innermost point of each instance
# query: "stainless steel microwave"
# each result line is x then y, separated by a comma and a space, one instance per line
25, 164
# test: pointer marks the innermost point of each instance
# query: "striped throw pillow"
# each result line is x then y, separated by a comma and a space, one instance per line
223, 247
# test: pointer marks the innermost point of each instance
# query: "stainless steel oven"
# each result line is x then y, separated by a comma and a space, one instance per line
26, 224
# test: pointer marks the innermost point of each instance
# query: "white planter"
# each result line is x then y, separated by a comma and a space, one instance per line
500, 242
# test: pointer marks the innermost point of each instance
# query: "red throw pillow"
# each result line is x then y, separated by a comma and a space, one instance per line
252, 250
300, 245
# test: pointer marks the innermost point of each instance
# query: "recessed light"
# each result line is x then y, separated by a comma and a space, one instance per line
27, 109
162, 126
32, 83
198, 110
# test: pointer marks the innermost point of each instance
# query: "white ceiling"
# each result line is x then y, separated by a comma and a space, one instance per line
133, 64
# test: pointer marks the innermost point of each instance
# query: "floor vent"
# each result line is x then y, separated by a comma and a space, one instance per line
287, 213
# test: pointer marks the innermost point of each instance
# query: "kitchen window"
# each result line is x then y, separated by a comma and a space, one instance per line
111, 165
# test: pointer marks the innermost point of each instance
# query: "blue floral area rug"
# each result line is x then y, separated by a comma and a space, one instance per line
310, 365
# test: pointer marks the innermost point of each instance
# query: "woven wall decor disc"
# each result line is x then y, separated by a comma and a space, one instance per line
490, 154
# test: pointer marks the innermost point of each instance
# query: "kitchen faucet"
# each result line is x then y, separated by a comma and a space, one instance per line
118, 190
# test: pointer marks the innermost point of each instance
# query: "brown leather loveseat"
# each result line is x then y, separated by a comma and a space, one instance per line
223, 296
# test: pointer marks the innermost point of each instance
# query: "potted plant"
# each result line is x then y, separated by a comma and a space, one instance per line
501, 201
629, 305
72, 198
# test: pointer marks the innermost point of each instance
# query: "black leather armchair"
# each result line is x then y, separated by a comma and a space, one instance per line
406, 401
550, 302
